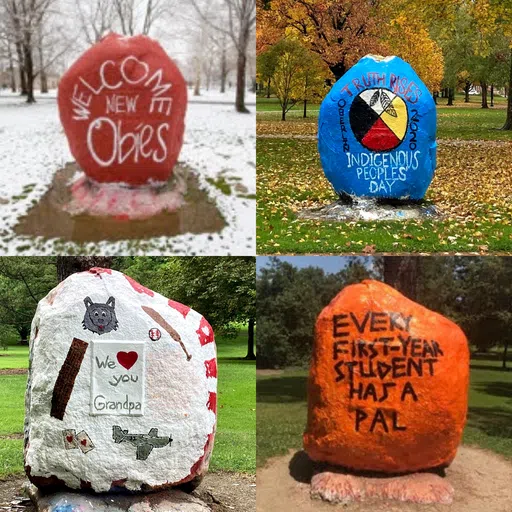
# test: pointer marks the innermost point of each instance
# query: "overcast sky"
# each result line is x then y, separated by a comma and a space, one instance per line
330, 264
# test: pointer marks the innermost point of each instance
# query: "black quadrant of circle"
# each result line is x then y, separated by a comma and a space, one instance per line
362, 118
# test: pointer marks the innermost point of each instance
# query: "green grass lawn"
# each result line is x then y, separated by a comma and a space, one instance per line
282, 410
461, 121
14, 357
235, 442
472, 189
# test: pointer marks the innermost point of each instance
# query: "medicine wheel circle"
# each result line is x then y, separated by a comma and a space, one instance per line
379, 118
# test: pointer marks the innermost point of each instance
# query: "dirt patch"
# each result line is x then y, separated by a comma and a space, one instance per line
481, 480
13, 371
233, 492
49, 220
12, 436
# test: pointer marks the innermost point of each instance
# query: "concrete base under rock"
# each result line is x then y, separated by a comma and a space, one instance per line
368, 209
68, 501
416, 488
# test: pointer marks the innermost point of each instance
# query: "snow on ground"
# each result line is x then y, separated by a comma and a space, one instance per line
218, 142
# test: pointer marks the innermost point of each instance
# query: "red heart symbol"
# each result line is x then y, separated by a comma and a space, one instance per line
122, 105
83, 442
69, 439
127, 359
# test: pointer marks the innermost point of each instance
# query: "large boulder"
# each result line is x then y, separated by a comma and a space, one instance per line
122, 105
377, 131
122, 387
388, 386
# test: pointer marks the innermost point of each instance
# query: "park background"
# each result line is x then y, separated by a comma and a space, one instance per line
475, 292
222, 289
461, 49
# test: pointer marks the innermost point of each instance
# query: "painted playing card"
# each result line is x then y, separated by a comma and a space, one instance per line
84, 442
70, 440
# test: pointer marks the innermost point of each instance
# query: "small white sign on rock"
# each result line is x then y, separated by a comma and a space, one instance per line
118, 377
122, 387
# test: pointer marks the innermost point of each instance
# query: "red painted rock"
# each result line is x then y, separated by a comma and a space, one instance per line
388, 383
122, 105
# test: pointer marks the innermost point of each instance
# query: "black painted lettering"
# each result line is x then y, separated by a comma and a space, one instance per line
376, 320
430, 363
437, 349
385, 388
408, 390
383, 369
416, 347
417, 365
427, 349
385, 342
340, 374
360, 326
398, 364
337, 324
405, 343
396, 426
379, 418
336, 349
353, 392
370, 391
360, 417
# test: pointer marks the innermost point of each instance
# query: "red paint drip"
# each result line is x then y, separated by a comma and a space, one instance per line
212, 402
97, 271
139, 288
198, 466
178, 306
205, 332
211, 368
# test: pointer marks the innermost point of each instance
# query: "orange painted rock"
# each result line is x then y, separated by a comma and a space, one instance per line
388, 383
122, 105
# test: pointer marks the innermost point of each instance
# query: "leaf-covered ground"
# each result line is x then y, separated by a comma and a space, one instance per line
467, 122
472, 188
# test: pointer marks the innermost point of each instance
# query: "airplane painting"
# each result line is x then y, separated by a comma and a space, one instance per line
144, 442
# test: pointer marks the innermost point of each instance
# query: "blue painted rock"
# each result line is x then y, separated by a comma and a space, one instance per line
376, 131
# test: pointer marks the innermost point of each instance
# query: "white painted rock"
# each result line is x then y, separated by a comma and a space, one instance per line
122, 387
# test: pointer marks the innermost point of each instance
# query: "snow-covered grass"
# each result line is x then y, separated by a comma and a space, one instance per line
220, 145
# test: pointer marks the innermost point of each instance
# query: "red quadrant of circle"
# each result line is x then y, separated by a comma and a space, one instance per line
380, 137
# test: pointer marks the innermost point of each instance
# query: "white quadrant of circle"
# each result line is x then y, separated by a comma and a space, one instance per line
369, 94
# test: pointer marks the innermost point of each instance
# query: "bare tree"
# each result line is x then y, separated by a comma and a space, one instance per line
129, 11
241, 21
96, 18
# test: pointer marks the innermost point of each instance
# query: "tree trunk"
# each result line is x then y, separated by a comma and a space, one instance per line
508, 122
338, 70
283, 113
197, 84
67, 265
492, 95
483, 85
305, 108
240, 82
223, 69
401, 272
250, 341
467, 87
505, 350
450, 97
21, 69
11, 67
42, 72
29, 69
434, 96
24, 333
268, 88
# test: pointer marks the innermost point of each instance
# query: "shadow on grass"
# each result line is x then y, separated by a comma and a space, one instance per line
236, 360
490, 368
495, 388
282, 389
496, 422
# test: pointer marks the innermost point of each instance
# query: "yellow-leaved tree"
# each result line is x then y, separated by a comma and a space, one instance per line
408, 38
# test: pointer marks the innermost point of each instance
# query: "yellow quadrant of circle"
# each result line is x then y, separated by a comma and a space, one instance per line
397, 124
